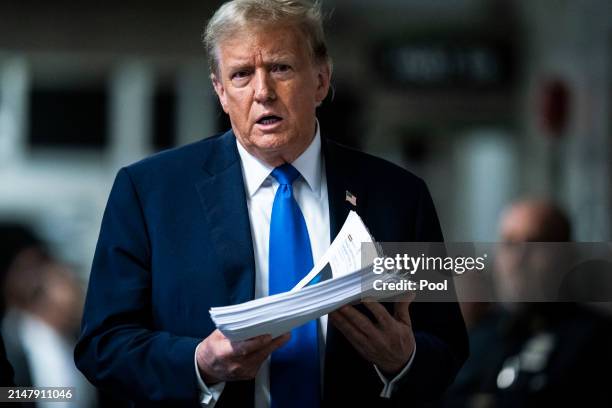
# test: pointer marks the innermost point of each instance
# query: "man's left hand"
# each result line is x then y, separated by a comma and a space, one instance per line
388, 342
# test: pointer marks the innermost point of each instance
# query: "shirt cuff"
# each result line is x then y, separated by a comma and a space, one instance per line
388, 385
209, 395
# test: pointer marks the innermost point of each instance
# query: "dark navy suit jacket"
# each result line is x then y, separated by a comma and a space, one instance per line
175, 241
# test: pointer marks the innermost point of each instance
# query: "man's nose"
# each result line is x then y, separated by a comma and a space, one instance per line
264, 87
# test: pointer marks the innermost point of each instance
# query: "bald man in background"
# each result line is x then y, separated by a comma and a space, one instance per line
533, 354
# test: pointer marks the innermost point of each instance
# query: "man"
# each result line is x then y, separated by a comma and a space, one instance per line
44, 304
533, 354
233, 217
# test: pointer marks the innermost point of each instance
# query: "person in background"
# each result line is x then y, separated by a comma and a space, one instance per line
14, 238
44, 305
533, 354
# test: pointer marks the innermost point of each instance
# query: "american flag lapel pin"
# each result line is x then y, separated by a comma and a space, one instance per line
351, 198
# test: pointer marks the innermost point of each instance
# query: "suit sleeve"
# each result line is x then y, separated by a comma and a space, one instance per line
119, 350
439, 329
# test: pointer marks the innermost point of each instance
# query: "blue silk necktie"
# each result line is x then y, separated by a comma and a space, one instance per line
294, 368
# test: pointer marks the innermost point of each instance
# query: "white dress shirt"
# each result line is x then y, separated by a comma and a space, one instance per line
310, 192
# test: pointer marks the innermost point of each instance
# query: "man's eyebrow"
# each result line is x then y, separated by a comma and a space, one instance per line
239, 65
247, 63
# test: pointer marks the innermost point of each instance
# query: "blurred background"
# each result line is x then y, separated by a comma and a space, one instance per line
488, 100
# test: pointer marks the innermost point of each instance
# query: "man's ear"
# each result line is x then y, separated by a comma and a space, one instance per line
219, 90
324, 72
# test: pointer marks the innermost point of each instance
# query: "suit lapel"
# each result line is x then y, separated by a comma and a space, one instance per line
222, 195
342, 178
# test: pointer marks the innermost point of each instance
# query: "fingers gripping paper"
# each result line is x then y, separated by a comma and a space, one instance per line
282, 312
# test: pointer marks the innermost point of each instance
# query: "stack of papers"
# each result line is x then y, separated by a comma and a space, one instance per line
280, 313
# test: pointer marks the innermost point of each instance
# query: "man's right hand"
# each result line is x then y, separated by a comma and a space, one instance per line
220, 359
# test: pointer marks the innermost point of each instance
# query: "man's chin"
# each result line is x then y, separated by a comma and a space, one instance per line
273, 150
272, 142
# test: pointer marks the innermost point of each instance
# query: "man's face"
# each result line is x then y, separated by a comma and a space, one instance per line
269, 86
523, 270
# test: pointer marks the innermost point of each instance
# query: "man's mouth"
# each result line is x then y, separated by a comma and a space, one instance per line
269, 120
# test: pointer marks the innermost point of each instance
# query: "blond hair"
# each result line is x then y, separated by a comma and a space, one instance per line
237, 15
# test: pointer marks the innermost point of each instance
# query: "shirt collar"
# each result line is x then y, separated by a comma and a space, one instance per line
255, 172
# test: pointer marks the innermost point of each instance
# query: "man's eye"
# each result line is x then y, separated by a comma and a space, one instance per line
240, 74
280, 68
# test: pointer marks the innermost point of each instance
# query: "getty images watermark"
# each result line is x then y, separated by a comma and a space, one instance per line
489, 272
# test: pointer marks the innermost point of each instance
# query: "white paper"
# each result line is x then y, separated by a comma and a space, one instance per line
280, 313
344, 254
